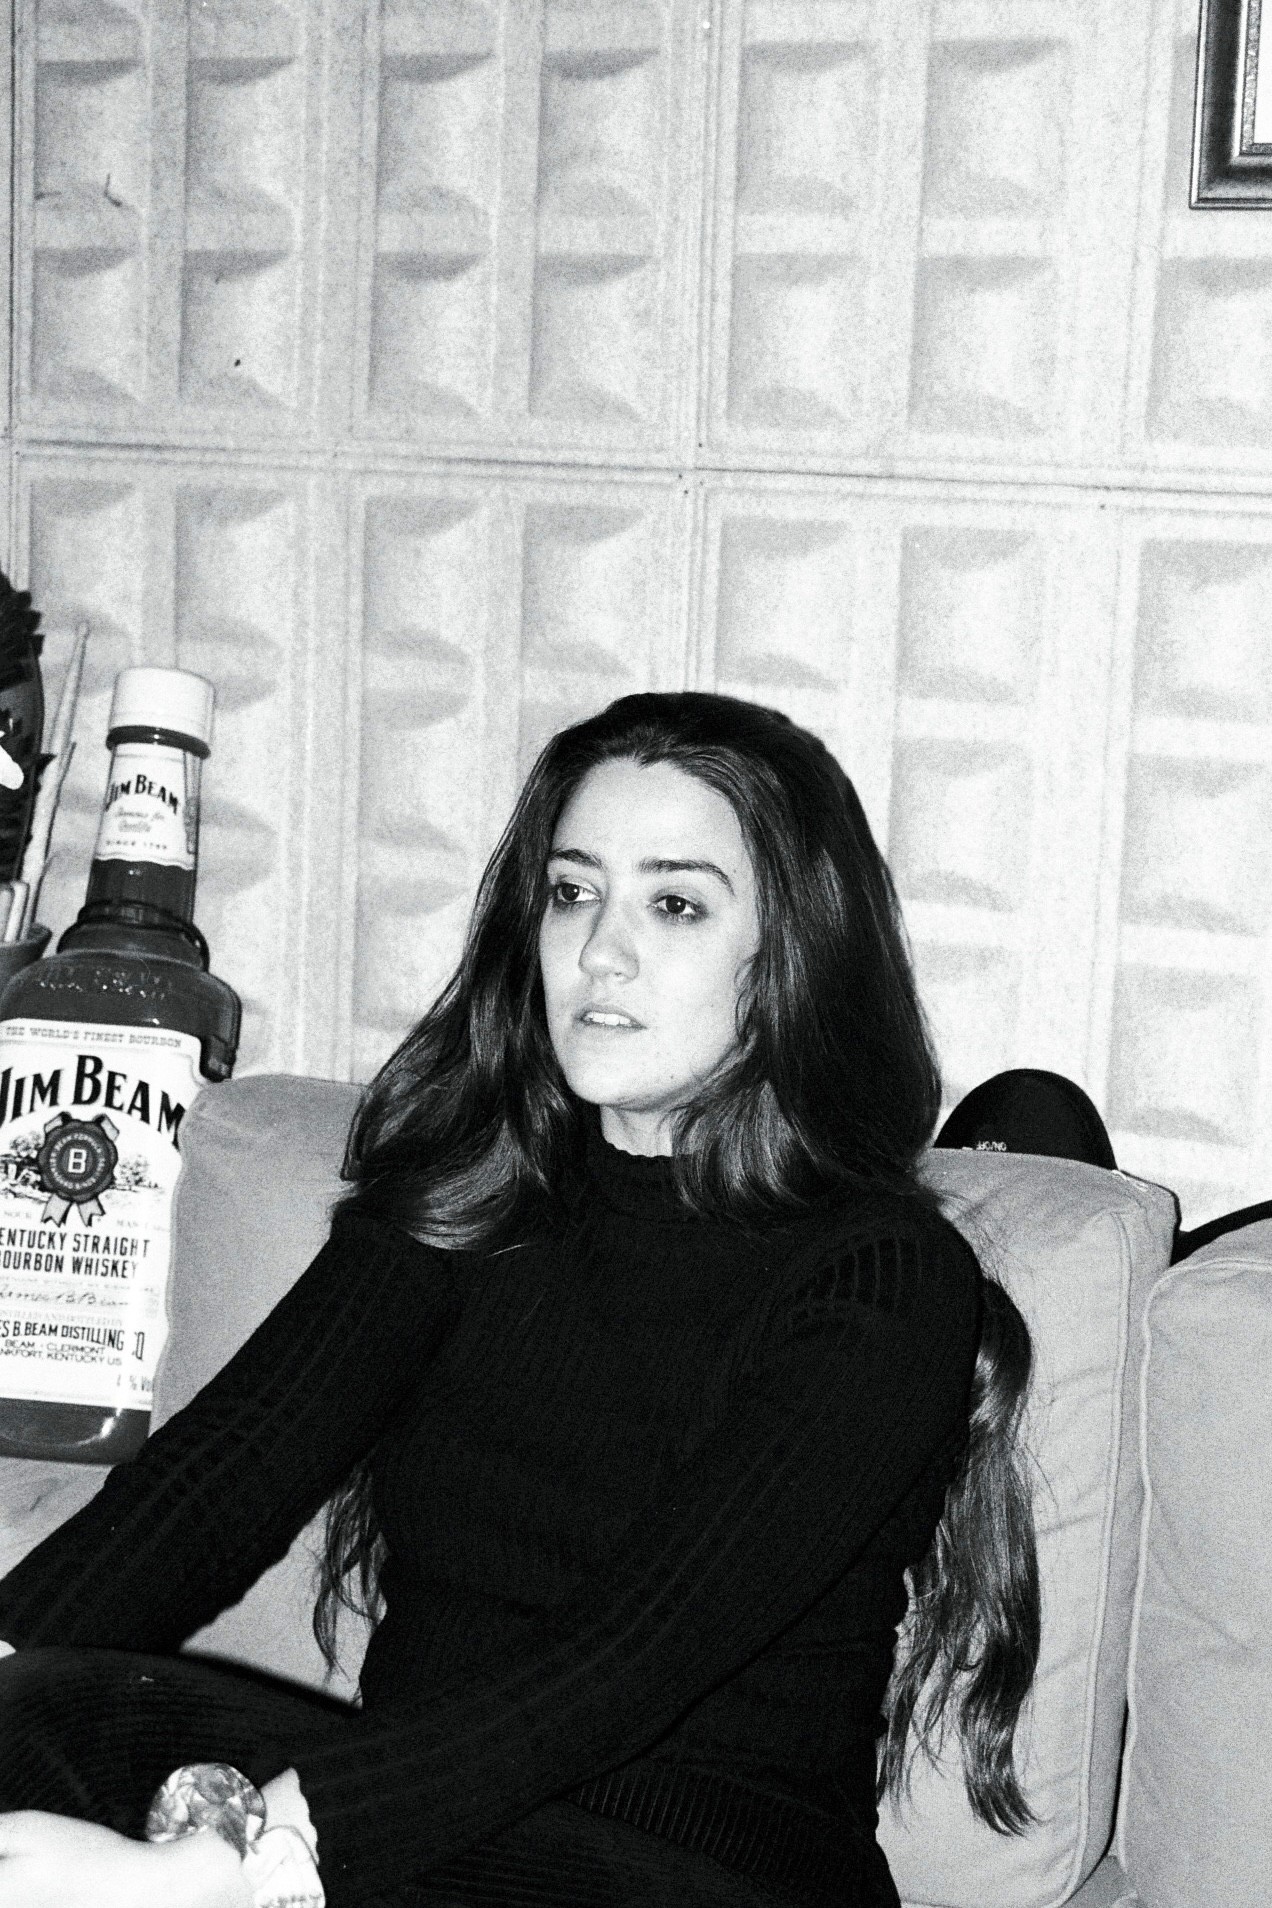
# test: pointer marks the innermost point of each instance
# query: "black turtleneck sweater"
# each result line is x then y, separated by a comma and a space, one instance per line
649, 1485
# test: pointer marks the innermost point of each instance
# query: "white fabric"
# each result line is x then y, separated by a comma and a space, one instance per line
281, 1872
1195, 1818
1078, 1249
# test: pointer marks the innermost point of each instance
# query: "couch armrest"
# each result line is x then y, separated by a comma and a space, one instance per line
1108, 1887
36, 1495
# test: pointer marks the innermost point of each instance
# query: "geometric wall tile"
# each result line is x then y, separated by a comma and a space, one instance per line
90, 189
1212, 353
1197, 846
521, 287
419, 803
807, 128
983, 346
807, 118
1204, 645
584, 586
492, 615
1184, 1062
238, 327
88, 553
971, 997
234, 594
587, 595
87, 326
436, 182
995, 122
592, 338
429, 372
784, 616
969, 614
171, 563
244, 184
960, 822
600, 148
795, 360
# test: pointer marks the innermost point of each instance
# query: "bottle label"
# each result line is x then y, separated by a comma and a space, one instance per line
89, 1123
151, 811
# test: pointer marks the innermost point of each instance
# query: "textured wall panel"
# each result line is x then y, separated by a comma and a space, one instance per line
1188, 1078
90, 190
527, 285
1197, 844
792, 353
459, 364
924, 232
245, 149
1200, 392
436, 193
1205, 630
968, 623
1184, 1065
987, 298
492, 614
170, 169
960, 822
940, 652
175, 565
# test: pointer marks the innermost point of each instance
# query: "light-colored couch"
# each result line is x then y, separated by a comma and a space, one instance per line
1148, 1746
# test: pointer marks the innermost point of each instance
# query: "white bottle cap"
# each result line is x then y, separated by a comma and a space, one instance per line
147, 698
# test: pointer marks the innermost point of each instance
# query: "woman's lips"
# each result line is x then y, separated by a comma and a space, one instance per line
613, 1019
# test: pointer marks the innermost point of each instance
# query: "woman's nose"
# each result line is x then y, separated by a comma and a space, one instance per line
608, 949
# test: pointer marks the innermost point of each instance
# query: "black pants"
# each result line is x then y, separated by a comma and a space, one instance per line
92, 1733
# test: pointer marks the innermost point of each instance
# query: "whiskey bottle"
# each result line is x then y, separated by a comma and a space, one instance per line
103, 1045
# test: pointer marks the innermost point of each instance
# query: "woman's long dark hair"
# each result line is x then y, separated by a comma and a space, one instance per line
833, 1090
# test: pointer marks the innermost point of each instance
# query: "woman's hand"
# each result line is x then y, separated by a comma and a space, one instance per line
286, 1807
54, 1861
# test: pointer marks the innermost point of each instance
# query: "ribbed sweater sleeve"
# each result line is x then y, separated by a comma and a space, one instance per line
860, 1388
216, 1496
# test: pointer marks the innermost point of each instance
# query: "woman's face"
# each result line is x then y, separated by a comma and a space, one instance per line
651, 920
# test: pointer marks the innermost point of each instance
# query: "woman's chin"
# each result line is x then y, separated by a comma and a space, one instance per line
612, 1089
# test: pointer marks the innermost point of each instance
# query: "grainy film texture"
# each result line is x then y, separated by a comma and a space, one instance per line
429, 372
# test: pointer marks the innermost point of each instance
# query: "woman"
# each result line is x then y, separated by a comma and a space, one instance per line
642, 1371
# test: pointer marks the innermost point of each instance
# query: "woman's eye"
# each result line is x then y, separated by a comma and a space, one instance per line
565, 894
678, 906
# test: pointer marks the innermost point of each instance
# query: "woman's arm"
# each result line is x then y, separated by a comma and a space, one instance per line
52, 1861
863, 1386
217, 1494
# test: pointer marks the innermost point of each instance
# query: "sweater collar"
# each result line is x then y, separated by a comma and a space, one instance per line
633, 1183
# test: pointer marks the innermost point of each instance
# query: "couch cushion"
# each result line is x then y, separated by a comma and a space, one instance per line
1108, 1887
1195, 1819
1078, 1248
260, 1170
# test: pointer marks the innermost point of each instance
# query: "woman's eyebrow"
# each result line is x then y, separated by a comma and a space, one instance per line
575, 854
652, 864
657, 864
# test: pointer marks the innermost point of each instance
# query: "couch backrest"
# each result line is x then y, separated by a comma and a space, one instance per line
1078, 1249
1195, 1816
260, 1170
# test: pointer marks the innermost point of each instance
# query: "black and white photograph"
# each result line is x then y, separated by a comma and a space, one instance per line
636, 954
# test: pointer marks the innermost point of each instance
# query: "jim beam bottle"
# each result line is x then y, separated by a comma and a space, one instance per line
102, 1048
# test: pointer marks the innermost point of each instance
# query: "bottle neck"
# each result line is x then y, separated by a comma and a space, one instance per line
145, 862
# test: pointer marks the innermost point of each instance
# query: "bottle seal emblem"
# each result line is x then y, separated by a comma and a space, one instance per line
76, 1164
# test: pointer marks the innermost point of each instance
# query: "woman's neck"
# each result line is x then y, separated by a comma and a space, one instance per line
648, 1134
